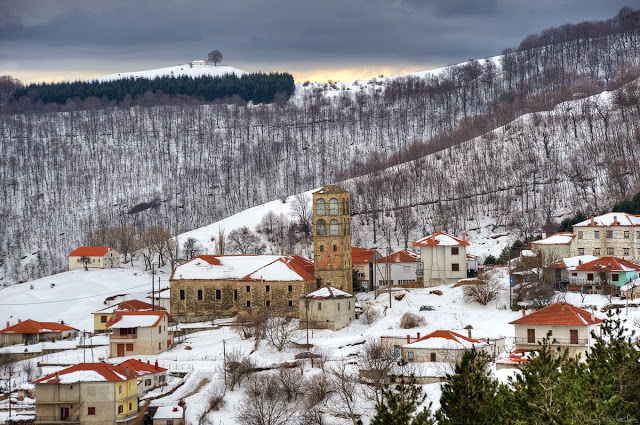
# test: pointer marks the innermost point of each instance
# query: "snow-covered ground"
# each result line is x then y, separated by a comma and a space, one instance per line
185, 70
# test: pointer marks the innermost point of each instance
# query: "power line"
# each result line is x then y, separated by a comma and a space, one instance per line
78, 298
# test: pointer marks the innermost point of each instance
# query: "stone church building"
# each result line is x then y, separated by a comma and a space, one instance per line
211, 286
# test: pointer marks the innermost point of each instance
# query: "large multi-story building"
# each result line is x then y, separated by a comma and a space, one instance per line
613, 234
332, 263
444, 258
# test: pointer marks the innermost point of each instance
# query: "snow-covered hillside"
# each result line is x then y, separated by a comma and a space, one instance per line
186, 70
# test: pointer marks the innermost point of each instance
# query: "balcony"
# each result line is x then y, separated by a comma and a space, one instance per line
554, 341
129, 336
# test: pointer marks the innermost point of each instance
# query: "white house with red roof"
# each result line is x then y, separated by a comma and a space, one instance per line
32, 332
211, 286
444, 258
327, 308
570, 328
398, 268
612, 271
150, 376
87, 393
447, 346
169, 415
94, 257
612, 234
363, 261
554, 246
139, 333
102, 316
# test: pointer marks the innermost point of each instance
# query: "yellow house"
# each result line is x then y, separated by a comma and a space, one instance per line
101, 317
87, 393
93, 257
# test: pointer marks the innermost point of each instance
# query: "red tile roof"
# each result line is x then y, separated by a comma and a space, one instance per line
560, 313
119, 315
130, 305
361, 255
109, 372
305, 262
440, 238
90, 251
609, 264
400, 257
33, 327
453, 336
141, 368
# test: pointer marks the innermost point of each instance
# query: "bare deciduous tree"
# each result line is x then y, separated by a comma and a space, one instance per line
344, 383
279, 331
264, 403
244, 241
411, 320
191, 248
236, 366
215, 56
376, 360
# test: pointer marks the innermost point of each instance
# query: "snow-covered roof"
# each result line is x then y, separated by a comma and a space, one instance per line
243, 267
86, 372
563, 238
129, 305
139, 368
559, 313
328, 291
611, 219
135, 319
609, 264
570, 263
447, 340
168, 412
441, 239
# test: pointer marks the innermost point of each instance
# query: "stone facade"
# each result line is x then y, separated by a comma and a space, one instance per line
199, 300
327, 308
332, 237
612, 234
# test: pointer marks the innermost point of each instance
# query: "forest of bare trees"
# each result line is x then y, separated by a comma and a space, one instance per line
63, 174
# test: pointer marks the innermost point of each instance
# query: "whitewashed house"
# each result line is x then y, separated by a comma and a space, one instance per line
139, 333
398, 268
94, 257
327, 308
444, 258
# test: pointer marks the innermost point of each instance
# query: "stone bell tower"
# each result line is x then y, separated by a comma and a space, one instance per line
332, 237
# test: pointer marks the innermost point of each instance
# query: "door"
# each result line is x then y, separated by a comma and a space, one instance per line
64, 413
531, 336
120, 350
573, 336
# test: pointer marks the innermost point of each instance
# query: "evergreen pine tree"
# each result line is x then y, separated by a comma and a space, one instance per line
400, 401
469, 395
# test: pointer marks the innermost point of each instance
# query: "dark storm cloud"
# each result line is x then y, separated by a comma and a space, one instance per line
283, 32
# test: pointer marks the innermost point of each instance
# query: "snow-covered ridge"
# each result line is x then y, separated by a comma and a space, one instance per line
185, 70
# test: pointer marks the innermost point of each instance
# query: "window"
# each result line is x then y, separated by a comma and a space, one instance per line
589, 276
91, 411
531, 336
130, 406
596, 251
433, 357
321, 207
338, 306
454, 250
319, 306
147, 382
455, 267
182, 294
614, 277
103, 319
574, 274
334, 227
348, 305
200, 294
290, 288
235, 294
333, 207
267, 288
580, 251
321, 248
119, 389
609, 234
248, 288
410, 355
169, 422
267, 303
638, 234
159, 329
610, 251
218, 294
580, 235
573, 336
321, 228
625, 251
596, 234
335, 248
290, 303
160, 345
626, 234
161, 378
248, 303
120, 409
129, 347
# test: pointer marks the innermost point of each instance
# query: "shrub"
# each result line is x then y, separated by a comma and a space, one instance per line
411, 320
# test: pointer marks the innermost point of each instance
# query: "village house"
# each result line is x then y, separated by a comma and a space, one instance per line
447, 346
327, 308
87, 393
139, 333
612, 234
212, 286
398, 268
555, 246
570, 328
169, 415
94, 257
565, 267
601, 274
32, 332
162, 298
444, 258
150, 376
363, 261
101, 317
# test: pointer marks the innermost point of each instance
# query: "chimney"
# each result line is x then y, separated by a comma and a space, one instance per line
175, 409
593, 316
464, 236
524, 312
126, 370
408, 339
156, 365
469, 333
562, 304
592, 220
615, 220
418, 336
544, 235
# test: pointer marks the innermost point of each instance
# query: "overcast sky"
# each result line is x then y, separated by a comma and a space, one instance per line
52, 40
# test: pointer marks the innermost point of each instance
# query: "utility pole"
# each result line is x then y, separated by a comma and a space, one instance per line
388, 277
306, 307
224, 361
153, 279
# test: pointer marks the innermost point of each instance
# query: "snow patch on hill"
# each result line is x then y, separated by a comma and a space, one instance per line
184, 70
